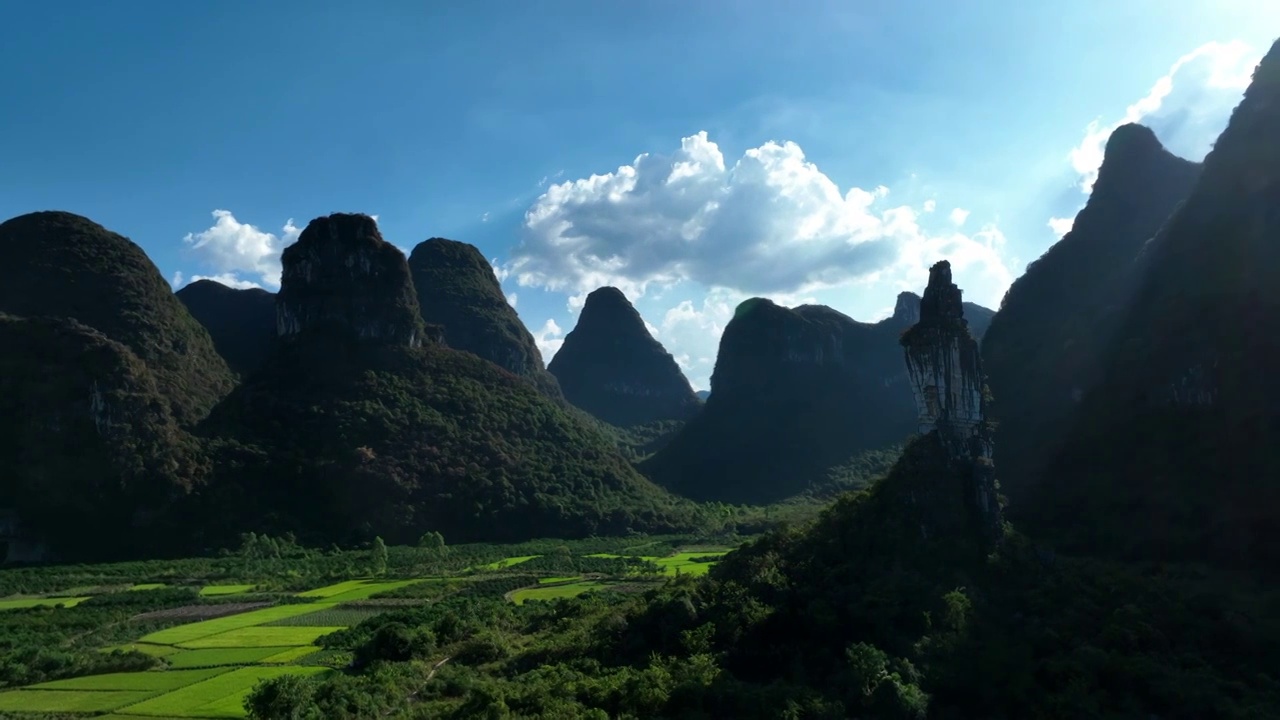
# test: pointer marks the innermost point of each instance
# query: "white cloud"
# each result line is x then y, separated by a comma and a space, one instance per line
512, 298
958, 216
1188, 107
1061, 226
233, 249
771, 223
549, 339
930, 205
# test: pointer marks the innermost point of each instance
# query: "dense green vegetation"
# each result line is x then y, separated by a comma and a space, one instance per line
855, 615
405, 440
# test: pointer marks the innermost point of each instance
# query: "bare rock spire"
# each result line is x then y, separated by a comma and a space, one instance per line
945, 369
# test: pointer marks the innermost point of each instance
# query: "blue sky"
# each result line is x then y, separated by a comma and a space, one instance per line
840, 137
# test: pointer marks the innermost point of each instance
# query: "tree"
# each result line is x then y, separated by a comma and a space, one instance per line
378, 556
432, 541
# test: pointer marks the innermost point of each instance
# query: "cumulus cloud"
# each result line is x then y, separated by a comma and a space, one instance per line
549, 339
930, 205
240, 254
771, 222
958, 216
1188, 106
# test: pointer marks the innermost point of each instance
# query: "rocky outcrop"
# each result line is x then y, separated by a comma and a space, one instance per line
342, 279
458, 290
945, 370
241, 322
60, 265
1045, 349
1172, 455
613, 368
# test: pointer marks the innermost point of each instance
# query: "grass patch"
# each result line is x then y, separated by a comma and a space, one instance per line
262, 637
69, 701
23, 603
218, 697
215, 590
150, 680
333, 617
552, 592
215, 657
505, 562
688, 563
550, 580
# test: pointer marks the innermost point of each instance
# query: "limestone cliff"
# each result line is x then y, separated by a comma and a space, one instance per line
796, 394
1045, 348
56, 264
945, 369
241, 322
341, 278
458, 290
613, 368
1180, 432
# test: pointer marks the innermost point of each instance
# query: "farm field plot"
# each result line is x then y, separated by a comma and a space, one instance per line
550, 580
219, 657
505, 562
355, 590
215, 590
152, 680
21, 603
552, 592
685, 563
148, 586
144, 648
259, 636
331, 617
218, 697
69, 701
194, 631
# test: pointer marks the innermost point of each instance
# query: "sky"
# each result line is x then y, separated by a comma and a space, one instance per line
692, 154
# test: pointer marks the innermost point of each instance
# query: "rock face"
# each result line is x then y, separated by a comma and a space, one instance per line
242, 322
342, 278
796, 393
945, 370
57, 264
1181, 430
907, 312
611, 367
1045, 348
458, 290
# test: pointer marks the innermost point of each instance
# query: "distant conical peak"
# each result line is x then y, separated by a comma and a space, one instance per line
609, 303
607, 295
907, 309
942, 301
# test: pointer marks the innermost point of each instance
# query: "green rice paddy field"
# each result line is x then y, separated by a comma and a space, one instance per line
212, 665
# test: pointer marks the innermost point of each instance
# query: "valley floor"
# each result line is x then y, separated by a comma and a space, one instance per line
203, 649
